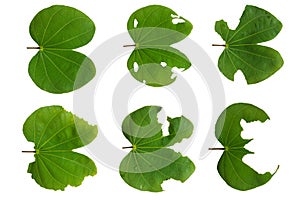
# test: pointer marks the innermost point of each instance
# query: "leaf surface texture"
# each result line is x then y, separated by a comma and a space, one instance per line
55, 133
151, 161
242, 51
57, 68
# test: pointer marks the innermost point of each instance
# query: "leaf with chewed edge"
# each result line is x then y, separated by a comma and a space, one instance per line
151, 161
231, 167
55, 133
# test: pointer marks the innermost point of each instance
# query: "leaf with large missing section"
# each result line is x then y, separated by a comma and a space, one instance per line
151, 161
58, 30
242, 51
55, 133
154, 29
231, 167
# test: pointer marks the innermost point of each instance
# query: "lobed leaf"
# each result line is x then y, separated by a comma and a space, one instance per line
242, 52
56, 68
153, 29
150, 161
231, 167
55, 133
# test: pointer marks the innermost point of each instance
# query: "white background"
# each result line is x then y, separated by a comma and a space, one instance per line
275, 142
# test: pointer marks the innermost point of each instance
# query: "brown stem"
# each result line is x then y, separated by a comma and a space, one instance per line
219, 45
129, 45
216, 149
33, 48
28, 151
131, 147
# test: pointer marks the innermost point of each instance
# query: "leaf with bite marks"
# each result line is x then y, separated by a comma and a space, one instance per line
242, 51
231, 167
154, 29
55, 133
151, 161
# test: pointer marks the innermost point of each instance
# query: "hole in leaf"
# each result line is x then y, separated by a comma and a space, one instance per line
174, 16
135, 67
173, 76
163, 64
162, 119
178, 21
135, 23
177, 70
161, 116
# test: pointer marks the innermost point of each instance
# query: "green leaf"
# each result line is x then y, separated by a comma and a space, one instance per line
242, 52
231, 167
55, 133
57, 30
153, 29
150, 161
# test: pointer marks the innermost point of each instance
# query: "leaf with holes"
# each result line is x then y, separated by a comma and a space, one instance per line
151, 161
57, 30
153, 29
242, 51
231, 167
55, 133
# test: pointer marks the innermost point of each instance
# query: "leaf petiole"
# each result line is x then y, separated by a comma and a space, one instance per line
28, 151
216, 149
129, 45
33, 48
130, 147
219, 45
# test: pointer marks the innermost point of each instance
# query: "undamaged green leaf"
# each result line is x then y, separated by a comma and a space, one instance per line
56, 68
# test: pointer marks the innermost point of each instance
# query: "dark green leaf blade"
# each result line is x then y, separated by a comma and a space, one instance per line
155, 65
61, 71
147, 171
156, 24
239, 175
57, 170
56, 68
228, 125
55, 133
179, 128
231, 167
256, 25
256, 62
61, 27
151, 161
153, 29
142, 124
241, 50
221, 27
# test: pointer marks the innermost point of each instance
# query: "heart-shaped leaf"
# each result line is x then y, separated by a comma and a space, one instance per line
55, 133
57, 30
242, 51
231, 167
151, 161
153, 29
